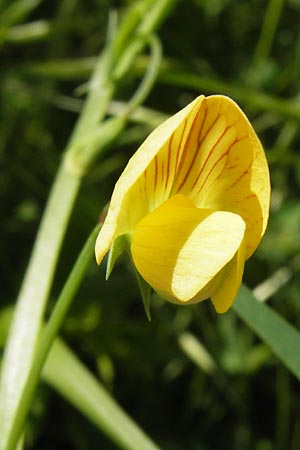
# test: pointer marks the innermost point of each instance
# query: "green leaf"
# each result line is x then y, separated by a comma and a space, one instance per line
145, 290
282, 338
46, 338
119, 246
65, 373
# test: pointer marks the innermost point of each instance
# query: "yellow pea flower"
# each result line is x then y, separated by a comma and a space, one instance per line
194, 201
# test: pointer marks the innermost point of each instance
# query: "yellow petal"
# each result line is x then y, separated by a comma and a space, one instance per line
208, 152
223, 167
231, 279
148, 177
179, 249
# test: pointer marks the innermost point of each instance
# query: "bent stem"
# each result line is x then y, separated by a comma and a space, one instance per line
25, 328
267, 34
33, 295
87, 395
49, 333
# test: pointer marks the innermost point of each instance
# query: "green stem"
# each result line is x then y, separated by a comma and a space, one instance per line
48, 335
251, 97
152, 20
33, 295
267, 32
17, 12
69, 376
29, 32
265, 41
150, 75
74, 69
282, 338
24, 332
25, 328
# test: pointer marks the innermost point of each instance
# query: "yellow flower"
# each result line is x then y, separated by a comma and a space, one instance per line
194, 201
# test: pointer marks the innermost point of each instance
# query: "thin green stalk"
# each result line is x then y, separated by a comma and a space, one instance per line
153, 16
20, 444
140, 115
17, 11
48, 335
283, 408
268, 31
128, 28
264, 44
250, 97
24, 332
282, 338
66, 69
25, 327
72, 70
29, 32
85, 393
151, 74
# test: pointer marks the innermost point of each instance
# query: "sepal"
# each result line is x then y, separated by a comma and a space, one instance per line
145, 290
119, 246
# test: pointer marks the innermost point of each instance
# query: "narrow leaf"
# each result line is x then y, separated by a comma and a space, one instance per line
118, 246
145, 290
282, 338
65, 373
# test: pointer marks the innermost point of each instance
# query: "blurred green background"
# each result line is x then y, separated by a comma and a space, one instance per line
192, 379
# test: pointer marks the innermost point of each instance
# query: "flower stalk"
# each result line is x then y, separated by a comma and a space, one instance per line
48, 334
25, 328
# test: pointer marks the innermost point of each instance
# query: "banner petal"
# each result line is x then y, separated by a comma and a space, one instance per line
148, 177
223, 167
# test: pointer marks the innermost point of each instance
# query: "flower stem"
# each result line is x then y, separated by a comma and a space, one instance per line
49, 333
268, 31
65, 373
25, 328
33, 295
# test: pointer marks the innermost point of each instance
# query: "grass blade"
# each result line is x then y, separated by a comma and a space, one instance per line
65, 373
282, 338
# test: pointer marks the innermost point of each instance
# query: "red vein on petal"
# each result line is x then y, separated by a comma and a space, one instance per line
169, 160
212, 150
145, 180
215, 164
163, 175
196, 152
155, 171
234, 166
240, 177
177, 162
